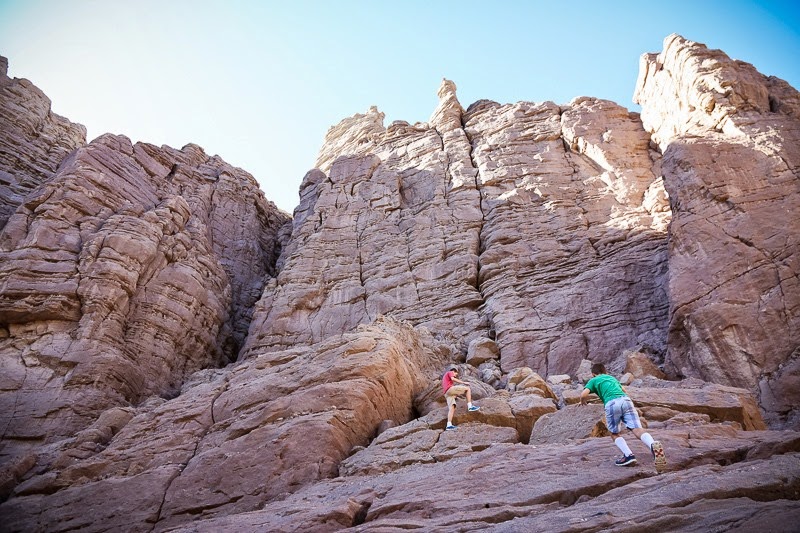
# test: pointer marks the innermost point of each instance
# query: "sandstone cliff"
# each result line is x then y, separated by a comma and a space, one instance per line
541, 226
127, 270
33, 140
176, 354
731, 143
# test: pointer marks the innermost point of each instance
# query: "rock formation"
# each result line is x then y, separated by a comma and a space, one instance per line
538, 225
33, 140
176, 354
127, 270
731, 143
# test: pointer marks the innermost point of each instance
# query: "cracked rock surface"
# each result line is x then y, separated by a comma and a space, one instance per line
176, 354
731, 143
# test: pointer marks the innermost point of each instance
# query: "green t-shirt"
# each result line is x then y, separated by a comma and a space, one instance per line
606, 387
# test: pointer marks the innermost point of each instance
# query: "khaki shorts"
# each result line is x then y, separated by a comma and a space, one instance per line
454, 392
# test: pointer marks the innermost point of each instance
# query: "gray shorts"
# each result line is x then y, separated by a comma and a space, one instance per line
621, 410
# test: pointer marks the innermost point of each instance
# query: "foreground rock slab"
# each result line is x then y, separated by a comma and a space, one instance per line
233, 440
514, 487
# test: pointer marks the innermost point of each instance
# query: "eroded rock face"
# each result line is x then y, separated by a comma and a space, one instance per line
234, 439
535, 234
574, 481
386, 232
572, 208
33, 140
131, 268
731, 143
530, 223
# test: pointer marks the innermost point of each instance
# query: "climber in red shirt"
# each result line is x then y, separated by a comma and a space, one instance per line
452, 391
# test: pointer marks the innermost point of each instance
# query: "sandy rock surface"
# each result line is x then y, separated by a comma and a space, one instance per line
731, 143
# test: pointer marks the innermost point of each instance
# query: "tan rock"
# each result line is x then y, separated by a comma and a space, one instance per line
719, 402
527, 409
560, 379
570, 423
517, 376
534, 382
482, 350
639, 365
731, 143
33, 140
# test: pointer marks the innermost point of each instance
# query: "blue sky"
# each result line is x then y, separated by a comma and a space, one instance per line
260, 82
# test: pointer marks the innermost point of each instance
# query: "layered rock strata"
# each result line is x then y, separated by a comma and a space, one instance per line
731, 143
131, 268
542, 226
234, 439
285, 441
33, 140
517, 241
493, 483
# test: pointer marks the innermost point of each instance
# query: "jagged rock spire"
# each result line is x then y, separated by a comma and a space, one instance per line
447, 115
353, 136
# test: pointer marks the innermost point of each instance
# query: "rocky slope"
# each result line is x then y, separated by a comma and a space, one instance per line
177, 355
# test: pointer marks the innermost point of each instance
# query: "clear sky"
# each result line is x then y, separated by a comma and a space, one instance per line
260, 82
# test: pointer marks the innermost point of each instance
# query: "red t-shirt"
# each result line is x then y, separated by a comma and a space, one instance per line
447, 380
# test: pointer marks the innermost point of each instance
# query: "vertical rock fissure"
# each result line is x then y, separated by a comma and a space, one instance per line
182, 467
448, 173
16, 401
411, 268
359, 239
479, 189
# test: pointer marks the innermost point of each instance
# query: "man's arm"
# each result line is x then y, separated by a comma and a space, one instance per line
584, 396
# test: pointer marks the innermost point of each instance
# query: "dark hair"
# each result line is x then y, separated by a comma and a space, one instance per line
598, 368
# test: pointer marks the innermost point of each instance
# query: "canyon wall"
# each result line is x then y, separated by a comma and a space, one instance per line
540, 226
127, 270
731, 143
177, 354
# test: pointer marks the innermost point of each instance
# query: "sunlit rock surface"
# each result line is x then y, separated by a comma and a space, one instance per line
541, 226
129, 269
176, 354
731, 143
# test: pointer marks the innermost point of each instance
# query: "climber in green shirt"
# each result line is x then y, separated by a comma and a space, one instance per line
619, 408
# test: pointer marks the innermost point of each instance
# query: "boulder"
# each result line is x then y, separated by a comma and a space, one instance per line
535, 383
720, 403
481, 350
639, 365
560, 379
571, 423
